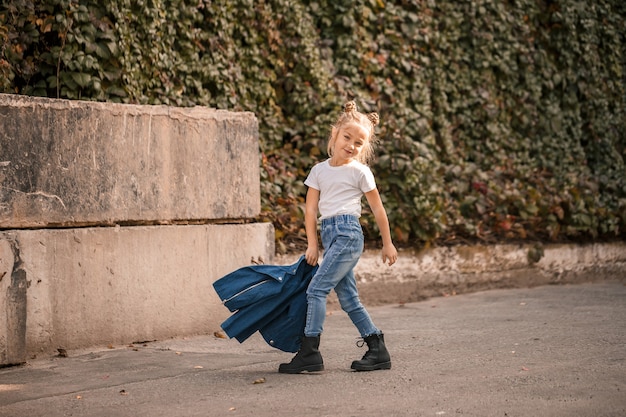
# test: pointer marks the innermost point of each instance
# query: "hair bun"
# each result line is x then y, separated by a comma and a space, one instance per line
374, 118
349, 107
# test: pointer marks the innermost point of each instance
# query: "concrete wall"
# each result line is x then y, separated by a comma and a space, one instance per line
70, 163
116, 219
442, 271
459, 269
75, 288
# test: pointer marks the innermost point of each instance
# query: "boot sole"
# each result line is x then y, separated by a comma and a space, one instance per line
309, 368
384, 365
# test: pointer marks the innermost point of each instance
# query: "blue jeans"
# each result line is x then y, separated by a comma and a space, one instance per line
342, 238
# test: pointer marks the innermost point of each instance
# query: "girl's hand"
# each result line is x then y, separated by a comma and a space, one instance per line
390, 254
311, 255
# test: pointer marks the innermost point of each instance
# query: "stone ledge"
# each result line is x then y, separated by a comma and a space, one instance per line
75, 163
459, 269
77, 288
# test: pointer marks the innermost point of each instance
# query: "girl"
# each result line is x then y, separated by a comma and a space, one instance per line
336, 187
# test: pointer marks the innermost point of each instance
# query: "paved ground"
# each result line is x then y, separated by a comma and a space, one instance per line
546, 351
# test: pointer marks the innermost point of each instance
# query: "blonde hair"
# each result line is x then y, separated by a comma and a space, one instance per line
368, 121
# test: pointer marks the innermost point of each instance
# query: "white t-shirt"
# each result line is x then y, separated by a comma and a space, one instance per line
341, 188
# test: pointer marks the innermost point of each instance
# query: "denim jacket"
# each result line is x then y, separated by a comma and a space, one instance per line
270, 299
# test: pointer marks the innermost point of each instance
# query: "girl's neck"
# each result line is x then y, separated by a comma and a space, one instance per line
337, 163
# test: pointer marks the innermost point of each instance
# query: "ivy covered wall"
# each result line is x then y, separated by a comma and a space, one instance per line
501, 119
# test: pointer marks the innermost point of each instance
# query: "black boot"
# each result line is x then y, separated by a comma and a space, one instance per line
376, 357
307, 359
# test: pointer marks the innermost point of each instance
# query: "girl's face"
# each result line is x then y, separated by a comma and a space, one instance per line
348, 141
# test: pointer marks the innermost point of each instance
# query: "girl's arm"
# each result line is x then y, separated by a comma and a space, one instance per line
310, 225
390, 253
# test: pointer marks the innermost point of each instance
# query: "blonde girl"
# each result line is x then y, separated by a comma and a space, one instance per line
336, 187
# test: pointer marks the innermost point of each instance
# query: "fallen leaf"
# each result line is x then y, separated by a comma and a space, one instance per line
179, 353
232, 409
525, 368
220, 335
78, 397
198, 367
123, 392
259, 381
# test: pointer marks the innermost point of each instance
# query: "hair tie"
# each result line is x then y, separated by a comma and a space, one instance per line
349, 107
373, 118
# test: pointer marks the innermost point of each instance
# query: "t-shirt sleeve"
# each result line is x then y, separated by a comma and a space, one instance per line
367, 182
311, 180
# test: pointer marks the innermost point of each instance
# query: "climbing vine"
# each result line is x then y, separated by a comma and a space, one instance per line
500, 119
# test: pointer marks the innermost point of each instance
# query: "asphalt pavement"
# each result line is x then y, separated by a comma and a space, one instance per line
544, 351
